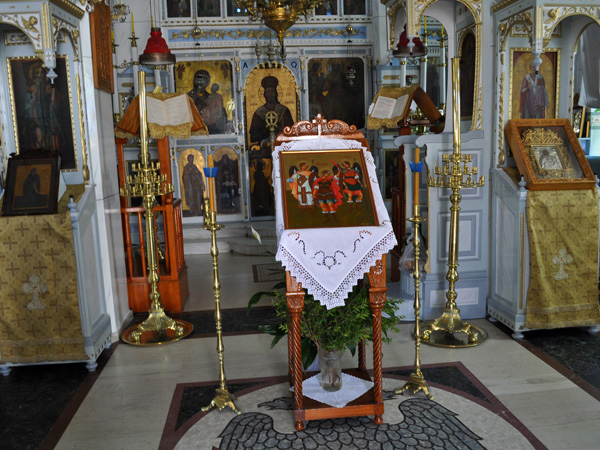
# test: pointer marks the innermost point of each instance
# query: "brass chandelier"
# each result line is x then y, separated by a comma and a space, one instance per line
278, 15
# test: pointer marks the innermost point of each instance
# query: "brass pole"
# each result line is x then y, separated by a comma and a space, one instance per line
443, 330
417, 382
158, 328
223, 397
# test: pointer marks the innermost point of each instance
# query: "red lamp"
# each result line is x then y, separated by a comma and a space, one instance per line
157, 53
404, 51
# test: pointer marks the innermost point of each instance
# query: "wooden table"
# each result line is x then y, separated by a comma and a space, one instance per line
370, 403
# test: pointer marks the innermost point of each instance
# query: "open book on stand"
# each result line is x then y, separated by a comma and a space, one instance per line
171, 111
392, 105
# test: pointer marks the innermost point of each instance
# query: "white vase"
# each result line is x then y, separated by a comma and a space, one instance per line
331, 369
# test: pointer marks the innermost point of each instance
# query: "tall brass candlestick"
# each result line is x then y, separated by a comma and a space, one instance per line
223, 397
447, 330
417, 382
158, 328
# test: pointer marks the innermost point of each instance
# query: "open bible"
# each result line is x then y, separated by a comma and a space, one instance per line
392, 105
171, 111
388, 107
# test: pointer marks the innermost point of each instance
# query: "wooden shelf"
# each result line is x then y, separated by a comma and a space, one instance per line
365, 405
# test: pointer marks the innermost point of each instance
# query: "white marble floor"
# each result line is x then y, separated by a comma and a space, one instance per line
128, 405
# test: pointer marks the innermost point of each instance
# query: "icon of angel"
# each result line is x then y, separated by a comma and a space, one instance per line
300, 181
350, 179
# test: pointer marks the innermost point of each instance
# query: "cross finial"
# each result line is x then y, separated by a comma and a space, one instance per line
35, 287
319, 121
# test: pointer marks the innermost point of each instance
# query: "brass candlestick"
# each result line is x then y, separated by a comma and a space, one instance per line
223, 397
158, 328
447, 330
417, 382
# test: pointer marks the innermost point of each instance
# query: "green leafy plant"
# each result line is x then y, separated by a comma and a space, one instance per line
331, 329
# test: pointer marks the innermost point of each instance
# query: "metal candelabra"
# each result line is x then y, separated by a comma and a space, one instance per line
223, 397
416, 381
158, 328
449, 329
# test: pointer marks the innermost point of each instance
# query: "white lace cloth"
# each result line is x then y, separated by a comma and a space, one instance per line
352, 389
330, 261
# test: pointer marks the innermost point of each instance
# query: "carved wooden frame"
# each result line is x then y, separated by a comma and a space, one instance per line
101, 50
529, 137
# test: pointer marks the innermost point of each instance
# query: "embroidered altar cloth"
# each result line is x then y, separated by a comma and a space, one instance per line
563, 282
330, 261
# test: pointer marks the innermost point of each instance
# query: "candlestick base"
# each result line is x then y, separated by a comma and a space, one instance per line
157, 329
222, 399
415, 384
449, 330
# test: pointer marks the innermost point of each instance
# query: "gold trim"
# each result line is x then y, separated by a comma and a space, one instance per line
263, 34
85, 170
392, 15
69, 7
521, 260
556, 32
557, 13
506, 27
503, 4
26, 26
501, 153
19, 35
76, 169
46, 26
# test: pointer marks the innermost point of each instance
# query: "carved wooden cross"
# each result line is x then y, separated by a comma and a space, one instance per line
561, 259
35, 287
319, 121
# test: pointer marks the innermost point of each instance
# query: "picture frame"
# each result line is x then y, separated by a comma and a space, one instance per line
549, 155
32, 183
42, 112
325, 189
100, 24
215, 98
263, 79
520, 62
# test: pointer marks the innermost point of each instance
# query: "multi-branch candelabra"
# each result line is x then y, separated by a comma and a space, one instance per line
448, 329
158, 328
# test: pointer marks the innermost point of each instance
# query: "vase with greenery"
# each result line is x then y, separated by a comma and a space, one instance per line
329, 331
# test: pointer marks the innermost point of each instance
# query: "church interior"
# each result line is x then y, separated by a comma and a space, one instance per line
328, 224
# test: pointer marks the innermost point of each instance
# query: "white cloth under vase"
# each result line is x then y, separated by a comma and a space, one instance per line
330, 261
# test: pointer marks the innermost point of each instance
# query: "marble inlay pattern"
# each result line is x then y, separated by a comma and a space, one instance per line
411, 422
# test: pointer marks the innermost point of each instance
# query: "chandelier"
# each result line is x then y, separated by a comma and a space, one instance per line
278, 15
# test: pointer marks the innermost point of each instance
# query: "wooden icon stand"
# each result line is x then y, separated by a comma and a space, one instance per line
371, 402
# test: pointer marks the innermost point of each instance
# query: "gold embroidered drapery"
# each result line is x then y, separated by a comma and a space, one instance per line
48, 329
563, 242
